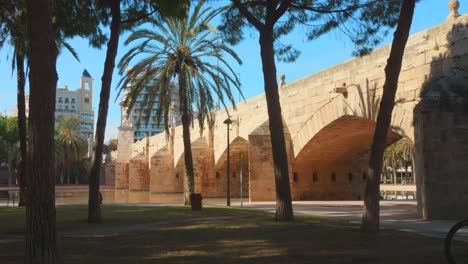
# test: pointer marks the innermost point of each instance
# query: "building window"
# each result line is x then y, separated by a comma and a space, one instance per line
217, 175
66, 108
315, 177
233, 174
86, 100
66, 100
350, 177
364, 176
333, 177
60, 100
86, 117
295, 176
73, 100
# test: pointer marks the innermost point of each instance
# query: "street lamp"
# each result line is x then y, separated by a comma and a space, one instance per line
228, 121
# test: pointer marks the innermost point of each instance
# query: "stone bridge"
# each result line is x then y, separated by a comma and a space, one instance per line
329, 120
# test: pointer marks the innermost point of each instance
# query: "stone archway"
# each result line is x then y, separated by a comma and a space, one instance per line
332, 164
239, 146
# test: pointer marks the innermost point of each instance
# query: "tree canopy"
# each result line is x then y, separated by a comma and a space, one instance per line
364, 22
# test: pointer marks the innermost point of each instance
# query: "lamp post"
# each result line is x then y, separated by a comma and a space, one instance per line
228, 121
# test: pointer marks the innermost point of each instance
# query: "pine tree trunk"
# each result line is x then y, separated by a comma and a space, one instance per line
94, 206
370, 220
41, 245
189, 182
284, 209
21, 127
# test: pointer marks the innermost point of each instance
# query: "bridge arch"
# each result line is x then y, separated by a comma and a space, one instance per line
238, 145
359, 104
332, 165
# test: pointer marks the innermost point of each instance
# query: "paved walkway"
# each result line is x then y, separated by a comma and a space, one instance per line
400, 215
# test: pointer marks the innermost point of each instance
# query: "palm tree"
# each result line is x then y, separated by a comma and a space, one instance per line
181, 49
123, 15
13, 32
14, 24
71, 146
392, 159
406, 149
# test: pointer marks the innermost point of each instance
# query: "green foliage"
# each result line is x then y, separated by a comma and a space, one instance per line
364, 22
399, 154
179, 46
113, 144
70, 146
70, 19
80, 18
9, 139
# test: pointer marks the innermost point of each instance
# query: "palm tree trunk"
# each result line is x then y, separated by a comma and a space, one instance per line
21, 127
189, 183
406, 173
94, 206
394, 171
41, 245
284, 210
370, 219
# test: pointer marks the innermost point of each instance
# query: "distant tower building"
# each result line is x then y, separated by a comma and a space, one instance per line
86, 107
78, 103
142, 130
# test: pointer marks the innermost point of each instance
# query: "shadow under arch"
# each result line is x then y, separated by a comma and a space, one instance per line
238, 147
332, 165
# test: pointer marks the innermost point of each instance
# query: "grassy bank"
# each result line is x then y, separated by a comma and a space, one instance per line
133, 234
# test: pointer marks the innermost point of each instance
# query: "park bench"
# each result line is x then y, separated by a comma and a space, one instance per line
5, 196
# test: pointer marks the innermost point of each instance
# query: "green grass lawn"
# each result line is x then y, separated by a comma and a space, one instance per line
131, 234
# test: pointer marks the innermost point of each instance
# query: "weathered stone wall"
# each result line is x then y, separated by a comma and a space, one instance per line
441, 132
121, 175
109, 174
162, 172
202, 166
341, 180
139, 178
261, 169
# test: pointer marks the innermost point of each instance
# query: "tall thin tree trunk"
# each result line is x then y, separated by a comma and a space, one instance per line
41, 245
189, 181
21, 101
370, 219
413, 169
406, 173
94, 206
284, 209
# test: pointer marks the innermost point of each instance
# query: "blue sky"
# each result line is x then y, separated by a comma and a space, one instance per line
328, 50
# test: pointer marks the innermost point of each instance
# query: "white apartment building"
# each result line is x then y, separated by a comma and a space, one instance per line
77, 102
